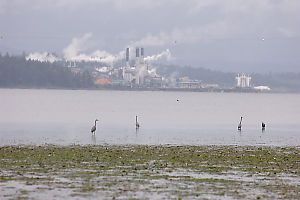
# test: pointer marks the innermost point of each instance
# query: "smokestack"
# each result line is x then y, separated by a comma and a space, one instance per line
137, 52
127, 54
142, 55
142, 52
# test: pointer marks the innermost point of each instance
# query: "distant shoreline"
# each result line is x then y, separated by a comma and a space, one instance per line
215, 90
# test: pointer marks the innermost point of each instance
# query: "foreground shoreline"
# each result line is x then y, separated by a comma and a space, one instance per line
147, 172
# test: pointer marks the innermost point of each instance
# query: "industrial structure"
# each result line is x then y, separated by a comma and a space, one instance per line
139, 75
243, 81
186, 82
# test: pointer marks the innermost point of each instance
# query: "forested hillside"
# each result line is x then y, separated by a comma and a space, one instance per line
16, 71
287, 81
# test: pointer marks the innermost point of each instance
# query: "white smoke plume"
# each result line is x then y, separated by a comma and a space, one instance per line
163, 55
77, 45
43, 57
97, 56
73, 52
153, 40
152, 71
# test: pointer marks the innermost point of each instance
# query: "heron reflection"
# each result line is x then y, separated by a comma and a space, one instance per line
94, 141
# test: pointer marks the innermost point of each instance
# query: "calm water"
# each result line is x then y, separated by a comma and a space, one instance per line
65, 117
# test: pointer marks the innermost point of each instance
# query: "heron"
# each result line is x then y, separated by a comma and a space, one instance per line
137, 125
263, 126
240, 124
93, 130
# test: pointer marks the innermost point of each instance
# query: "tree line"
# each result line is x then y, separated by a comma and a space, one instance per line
16, 71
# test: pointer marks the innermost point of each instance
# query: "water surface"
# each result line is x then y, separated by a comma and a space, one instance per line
63, 117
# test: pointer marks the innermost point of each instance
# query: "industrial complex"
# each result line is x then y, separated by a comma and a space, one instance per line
138, 74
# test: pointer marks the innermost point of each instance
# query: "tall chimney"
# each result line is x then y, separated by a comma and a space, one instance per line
127, 54
142, 52
142, 55
137, 52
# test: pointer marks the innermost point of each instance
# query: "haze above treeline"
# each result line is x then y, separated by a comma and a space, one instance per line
17, 72
255, 36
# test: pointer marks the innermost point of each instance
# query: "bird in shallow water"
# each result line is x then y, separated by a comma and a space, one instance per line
263, 126
240, 124
137, 125
93, 130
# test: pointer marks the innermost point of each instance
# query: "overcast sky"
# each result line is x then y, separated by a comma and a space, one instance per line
227, 35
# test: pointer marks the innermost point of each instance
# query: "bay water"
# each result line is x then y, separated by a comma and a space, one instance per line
65, 117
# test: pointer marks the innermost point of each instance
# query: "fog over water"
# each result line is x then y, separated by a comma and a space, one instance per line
65, 117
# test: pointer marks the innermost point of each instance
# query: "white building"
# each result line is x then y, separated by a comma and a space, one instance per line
262, 88
243, 81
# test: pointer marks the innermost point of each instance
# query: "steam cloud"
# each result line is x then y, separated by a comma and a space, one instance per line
74, 52
43, 57
77, 45
165, 54
153, 40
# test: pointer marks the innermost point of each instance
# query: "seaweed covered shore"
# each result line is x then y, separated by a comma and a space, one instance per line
149, 172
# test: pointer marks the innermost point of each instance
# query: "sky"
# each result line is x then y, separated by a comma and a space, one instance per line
231, 36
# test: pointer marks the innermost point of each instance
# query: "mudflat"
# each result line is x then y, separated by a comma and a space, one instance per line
149, 172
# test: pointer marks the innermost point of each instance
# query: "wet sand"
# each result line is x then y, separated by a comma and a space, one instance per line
149, 172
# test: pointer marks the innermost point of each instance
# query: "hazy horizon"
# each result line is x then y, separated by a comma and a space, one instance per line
232, 36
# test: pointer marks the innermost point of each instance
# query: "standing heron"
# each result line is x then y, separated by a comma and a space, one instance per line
263, 126
240, 124
93, 130
137, 125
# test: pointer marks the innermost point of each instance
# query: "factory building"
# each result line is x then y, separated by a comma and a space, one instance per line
186, 82
153, 81
140, 67
139, 74
243, 81
127, 71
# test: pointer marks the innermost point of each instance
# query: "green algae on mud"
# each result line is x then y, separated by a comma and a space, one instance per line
141, 171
